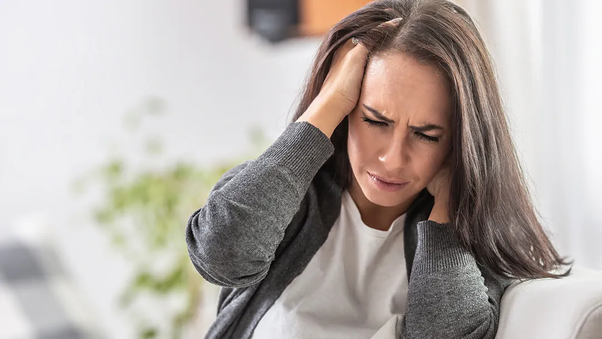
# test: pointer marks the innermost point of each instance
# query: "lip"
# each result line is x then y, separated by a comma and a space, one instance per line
385, 186
387, 181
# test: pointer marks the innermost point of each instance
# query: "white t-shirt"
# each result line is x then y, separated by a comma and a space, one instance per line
354, 284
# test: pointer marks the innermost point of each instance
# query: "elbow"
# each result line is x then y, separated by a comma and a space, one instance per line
484, 325
487, 327
227, 275
218, 263
472, 326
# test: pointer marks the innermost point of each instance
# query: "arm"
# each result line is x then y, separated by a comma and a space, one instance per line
233, 238
450, 296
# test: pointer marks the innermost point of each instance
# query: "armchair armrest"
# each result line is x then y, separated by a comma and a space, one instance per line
569, 307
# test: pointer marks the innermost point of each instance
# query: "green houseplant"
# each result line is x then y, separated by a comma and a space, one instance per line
144, 212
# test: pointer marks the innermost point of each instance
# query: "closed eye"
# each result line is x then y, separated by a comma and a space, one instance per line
426, 137
374, 123
381, 124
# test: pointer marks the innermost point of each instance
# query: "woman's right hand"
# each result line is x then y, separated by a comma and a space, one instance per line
340, 91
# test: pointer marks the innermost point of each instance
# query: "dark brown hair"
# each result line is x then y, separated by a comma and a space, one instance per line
493, 215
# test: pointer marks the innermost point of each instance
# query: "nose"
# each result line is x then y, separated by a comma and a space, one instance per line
396, 155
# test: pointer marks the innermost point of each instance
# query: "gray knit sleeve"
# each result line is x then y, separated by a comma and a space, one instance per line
449, 294
233, 238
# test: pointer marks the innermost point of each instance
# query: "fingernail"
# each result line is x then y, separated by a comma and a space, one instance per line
396, 20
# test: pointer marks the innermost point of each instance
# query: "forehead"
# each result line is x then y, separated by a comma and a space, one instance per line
398, 84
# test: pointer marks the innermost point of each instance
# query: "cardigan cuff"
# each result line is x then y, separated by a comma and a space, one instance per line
302, 148
438, 248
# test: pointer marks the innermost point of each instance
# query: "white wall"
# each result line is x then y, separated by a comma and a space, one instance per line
69, 70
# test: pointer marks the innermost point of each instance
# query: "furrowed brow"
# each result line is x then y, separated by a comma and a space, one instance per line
424, 128
378, 115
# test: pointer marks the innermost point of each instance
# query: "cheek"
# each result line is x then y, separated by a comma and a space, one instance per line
428, 163
355, 147
362, 143
425, 165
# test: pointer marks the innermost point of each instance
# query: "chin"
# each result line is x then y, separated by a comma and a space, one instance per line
384, 198
377, 197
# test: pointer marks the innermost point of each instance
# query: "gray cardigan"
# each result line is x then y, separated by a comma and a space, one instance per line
265, 219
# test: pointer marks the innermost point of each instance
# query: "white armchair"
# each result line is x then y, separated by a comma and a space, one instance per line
566, 308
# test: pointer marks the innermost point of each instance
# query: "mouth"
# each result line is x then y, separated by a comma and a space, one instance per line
388, 181
387, 186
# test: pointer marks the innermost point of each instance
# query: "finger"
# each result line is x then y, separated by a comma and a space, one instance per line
344, 48
391, 23
359, 48
377, 34
385, 26
384, 29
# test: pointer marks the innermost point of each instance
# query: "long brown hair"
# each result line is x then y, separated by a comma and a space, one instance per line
493, 215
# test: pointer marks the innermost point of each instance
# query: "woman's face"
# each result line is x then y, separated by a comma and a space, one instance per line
412, 144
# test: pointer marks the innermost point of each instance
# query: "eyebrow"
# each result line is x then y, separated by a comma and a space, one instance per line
427, 127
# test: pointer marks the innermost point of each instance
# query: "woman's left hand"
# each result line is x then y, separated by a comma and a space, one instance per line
439, 187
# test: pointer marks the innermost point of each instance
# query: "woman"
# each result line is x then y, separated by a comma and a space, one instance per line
393, 205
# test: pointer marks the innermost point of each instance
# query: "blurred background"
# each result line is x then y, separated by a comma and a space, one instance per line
117, 117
